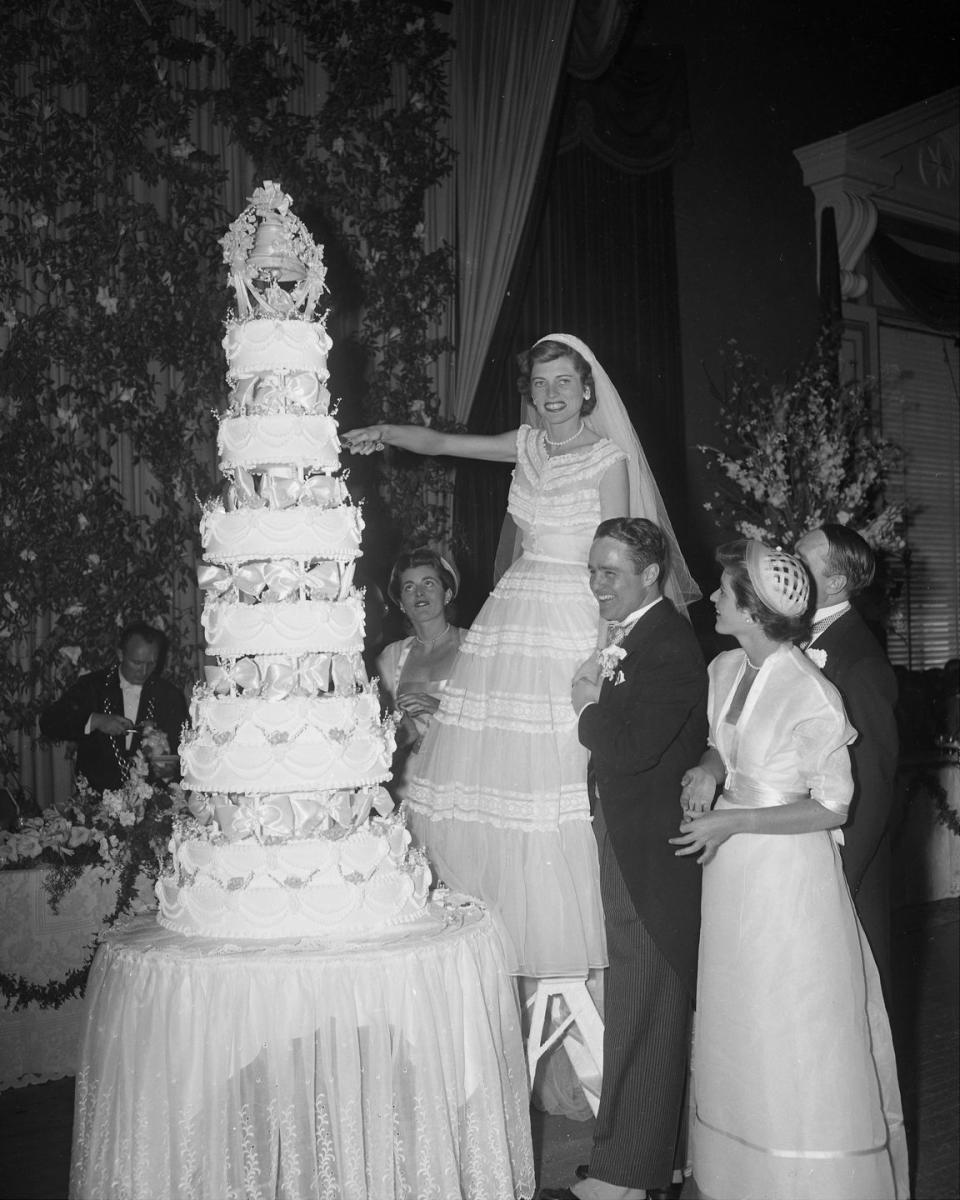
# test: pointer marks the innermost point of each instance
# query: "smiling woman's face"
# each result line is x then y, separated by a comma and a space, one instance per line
556, 389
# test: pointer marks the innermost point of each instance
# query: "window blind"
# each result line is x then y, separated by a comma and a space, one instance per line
920, 412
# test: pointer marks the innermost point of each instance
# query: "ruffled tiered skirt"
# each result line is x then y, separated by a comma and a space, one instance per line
497, 794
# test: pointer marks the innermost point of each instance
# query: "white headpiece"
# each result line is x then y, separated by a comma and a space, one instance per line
780, 580
609, 419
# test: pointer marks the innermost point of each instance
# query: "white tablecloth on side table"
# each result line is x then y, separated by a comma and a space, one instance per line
43, 946
373, 1070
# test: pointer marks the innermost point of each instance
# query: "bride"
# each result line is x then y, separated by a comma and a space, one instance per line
498, 794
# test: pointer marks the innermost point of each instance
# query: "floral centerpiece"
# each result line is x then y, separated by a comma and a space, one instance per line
802, 454
122, 832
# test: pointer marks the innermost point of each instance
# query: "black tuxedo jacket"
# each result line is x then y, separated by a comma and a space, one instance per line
858, 668
100, 758
643, 734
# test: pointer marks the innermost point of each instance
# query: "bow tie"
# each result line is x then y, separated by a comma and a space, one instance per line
819, 627
616, 633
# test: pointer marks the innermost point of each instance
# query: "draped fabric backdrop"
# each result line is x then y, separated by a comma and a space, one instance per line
597, 258
504, 72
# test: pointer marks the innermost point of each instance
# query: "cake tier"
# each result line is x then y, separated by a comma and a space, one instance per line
279, 392
282, 487
260, 442
223, 716
298, 533
276, 676
257, 346
365, 881
246, 744
234, 629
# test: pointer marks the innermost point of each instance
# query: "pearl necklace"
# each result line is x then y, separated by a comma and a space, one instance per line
566, 441
429, 643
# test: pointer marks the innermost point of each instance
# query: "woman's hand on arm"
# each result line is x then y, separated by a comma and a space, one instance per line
419, 439
615, 492
704, 833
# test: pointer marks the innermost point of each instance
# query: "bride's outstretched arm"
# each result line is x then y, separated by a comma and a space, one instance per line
418, 439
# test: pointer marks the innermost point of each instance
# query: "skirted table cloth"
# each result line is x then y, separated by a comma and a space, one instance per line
370, 1070
43, 946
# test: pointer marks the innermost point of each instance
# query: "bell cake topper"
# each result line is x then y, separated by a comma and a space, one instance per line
276, 269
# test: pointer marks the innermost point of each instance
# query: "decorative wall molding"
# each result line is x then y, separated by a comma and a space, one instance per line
904, 164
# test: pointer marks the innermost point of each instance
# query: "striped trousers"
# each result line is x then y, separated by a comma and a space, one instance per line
640, 1129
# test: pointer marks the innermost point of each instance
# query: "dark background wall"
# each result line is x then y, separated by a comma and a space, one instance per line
765, 77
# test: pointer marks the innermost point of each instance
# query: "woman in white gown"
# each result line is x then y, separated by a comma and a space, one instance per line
499, 798
795, 1093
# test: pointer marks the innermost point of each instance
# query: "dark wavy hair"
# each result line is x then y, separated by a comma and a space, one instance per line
643, 539
549, 351
423, 556
732, 556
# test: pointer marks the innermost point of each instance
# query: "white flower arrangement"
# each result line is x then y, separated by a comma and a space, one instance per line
817, 657
119, 828
794, 457
609, 659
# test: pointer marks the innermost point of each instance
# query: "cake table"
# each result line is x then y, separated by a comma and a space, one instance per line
366, 1070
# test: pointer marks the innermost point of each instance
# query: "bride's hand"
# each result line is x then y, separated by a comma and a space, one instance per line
418, 704
365, 440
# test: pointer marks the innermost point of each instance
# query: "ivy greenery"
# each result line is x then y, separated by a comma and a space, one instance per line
113, 293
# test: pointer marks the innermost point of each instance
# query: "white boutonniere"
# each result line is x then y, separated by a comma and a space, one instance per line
609, 658
817, 657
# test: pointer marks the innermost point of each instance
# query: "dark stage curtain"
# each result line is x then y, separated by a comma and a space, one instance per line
927, 287
598, 260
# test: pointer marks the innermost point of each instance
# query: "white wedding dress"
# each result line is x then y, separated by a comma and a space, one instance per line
795, 1093
498, 793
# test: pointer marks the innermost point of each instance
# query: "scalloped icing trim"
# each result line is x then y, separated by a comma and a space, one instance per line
222, 716
298, 532
261, 892
289, 766
234, 630
278, 440
266, 344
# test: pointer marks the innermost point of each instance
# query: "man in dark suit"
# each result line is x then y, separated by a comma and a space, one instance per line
105, 712
642, 707
841, 564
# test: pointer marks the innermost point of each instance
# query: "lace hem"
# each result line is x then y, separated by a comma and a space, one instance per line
501, 809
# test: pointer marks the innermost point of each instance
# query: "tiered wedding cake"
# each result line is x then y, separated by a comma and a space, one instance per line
293, 834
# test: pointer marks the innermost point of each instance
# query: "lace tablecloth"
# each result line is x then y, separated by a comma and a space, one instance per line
43, 946
370, 1071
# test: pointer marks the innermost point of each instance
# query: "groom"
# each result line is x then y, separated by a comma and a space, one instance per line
642, 710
